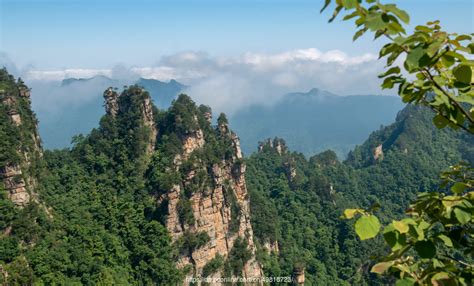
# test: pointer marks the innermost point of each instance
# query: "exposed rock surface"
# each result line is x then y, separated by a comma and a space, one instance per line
298, 276
16, 175
212, 211
290, 169
276, 144
192, 141
149, 122
208, 116
15, 184
272, 246
111, 101
378, 153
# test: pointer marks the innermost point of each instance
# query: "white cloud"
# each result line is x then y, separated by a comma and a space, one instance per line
55, 75
230, 83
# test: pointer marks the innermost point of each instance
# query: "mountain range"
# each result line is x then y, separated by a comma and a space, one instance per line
80, 104
310, 121
317, 120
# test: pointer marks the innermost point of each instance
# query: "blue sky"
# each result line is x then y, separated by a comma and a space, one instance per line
100, 34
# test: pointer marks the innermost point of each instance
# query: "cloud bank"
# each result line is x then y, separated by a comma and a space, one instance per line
231, 83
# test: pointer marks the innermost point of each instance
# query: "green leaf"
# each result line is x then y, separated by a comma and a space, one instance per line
395, 28
350, 213
359, 33
425, 249
447, 60
402, 15
400, 226
381, 267
417, 58
463, 38
463, 74
471, 47
393, 70
433, 48
440, 121
336, 12
409, 221
350, 16
424, 225
456, 55
387, 49
467, 98
367, 227
326, 4
375, 22
446, 240
462, 216
407, 281
388, 83
443, 279
423, 29
432, 23
437, 263
394, 239
395, 54
349, 4
458, 188
417, 232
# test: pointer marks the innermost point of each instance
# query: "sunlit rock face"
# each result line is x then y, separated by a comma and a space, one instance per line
221, 209
17, 173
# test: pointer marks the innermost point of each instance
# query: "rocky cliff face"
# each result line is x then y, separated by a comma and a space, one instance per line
18, 169
202, 197
211, 203
378, 153
199, 183
278, 144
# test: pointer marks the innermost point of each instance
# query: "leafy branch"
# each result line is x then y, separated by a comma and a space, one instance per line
434, 244
441, 62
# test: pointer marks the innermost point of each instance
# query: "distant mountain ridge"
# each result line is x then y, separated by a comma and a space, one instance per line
72, 80
58, 128
310, 121
162, 92
317, 120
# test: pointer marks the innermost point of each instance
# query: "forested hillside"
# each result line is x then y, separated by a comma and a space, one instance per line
297, 203
131, 203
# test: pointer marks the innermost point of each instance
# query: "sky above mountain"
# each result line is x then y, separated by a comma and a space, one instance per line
55, 34
245, 51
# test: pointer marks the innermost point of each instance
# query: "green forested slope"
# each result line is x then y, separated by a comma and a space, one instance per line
97, 219
97, 231
302, 214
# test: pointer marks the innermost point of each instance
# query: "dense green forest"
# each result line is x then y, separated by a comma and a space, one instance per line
95, 215
297, 202
97, 231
